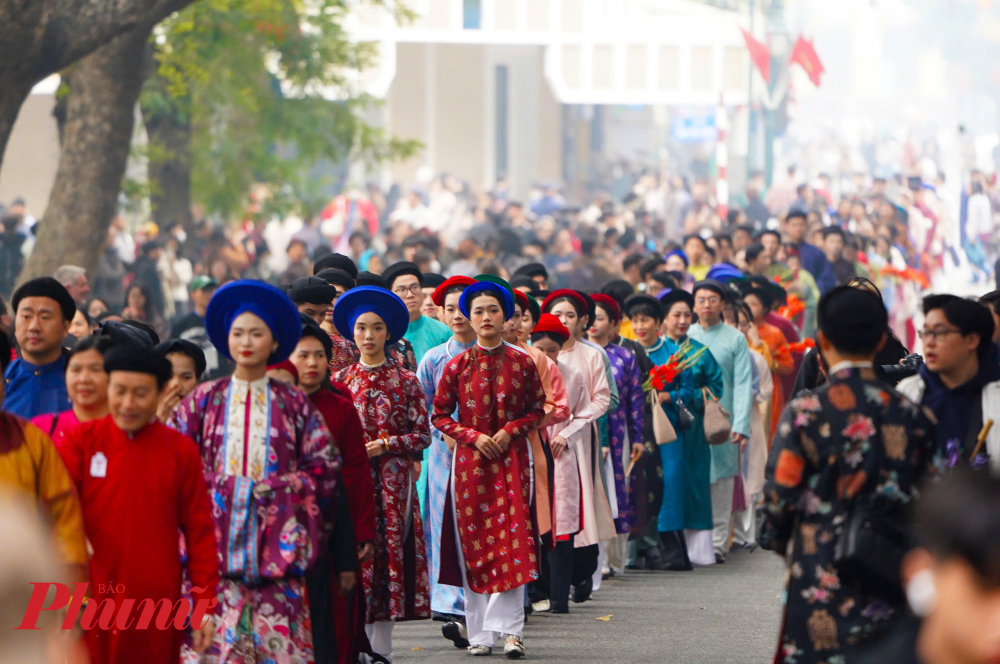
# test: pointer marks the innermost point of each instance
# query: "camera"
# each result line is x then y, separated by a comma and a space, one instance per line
907, 367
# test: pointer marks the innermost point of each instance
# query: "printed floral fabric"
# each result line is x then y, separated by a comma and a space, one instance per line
493, 390
343, 354
849, 437
391, 406
270, 522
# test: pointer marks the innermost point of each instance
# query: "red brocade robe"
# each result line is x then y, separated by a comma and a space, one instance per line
337, 409
391, 406
493, 390
135, 496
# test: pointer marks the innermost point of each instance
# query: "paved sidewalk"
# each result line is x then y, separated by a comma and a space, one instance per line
723, 614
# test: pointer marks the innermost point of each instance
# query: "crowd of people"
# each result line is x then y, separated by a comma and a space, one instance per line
401, 422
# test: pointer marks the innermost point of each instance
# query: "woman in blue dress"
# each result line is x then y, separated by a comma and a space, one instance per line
685, 520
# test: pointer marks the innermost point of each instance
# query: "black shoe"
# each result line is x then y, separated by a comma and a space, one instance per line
581, 592
453, 632
559, 610
720, 559
677, 567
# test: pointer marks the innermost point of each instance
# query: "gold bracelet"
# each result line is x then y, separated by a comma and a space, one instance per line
385, 445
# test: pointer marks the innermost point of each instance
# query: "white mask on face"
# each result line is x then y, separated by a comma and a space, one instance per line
921, 593
181, 236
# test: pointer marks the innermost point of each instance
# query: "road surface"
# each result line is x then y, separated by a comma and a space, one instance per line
723, 614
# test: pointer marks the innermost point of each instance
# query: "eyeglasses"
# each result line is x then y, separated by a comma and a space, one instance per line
936, 334
707, 300
413, 288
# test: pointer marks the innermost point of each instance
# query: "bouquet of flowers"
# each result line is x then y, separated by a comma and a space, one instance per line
664, 375
802, 346
906, 274
794, 307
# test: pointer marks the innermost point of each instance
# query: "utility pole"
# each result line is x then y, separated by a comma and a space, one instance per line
778, 41
751, 116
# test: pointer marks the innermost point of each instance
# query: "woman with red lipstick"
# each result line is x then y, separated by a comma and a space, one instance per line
266, 450
87, 386
390, 403
488, 540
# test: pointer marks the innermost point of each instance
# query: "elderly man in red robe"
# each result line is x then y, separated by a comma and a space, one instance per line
500, 399
139, 483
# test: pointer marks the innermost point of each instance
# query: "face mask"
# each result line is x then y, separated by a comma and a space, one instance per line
921, 594
181, 236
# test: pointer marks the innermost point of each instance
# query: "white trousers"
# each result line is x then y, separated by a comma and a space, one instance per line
722, 513
380, 637
602, 558
745, 530
699, 544
487, 616
617, 551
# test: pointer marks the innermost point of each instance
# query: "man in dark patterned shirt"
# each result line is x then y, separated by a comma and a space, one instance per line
835, 446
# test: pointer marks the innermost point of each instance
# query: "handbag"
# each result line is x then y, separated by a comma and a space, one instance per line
685, 420
718, 426
870, 550
663, 430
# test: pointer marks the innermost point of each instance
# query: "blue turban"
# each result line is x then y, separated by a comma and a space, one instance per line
679, 252
371, 299
263, 300
501, 293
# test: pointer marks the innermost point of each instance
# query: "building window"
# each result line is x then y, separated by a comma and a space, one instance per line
471, 14
502, 120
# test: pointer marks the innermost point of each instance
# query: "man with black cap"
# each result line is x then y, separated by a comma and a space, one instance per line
729, 348
337, 262
312, 296
342, 352
430, 283
537, 272
405, 280
139, 484
35, 381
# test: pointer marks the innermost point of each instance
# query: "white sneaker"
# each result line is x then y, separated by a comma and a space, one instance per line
514, 648
480, 651
541, 607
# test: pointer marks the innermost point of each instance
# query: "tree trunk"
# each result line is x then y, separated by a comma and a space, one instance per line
100, 115
169, 136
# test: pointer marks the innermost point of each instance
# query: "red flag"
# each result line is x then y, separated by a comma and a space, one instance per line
760, 54
805, 55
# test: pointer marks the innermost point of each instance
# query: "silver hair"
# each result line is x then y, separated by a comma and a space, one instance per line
67, 274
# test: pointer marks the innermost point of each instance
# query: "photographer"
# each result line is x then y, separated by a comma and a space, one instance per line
812, 374
960, 379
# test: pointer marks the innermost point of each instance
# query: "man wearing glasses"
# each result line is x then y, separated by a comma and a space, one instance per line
960, 379
405, 280
729, 348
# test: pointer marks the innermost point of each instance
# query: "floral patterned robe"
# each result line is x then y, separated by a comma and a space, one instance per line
850, 435
391, 405
626, 425
271, 471
493, 389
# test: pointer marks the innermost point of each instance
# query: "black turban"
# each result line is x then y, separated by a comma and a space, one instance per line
139, 359
46, 287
